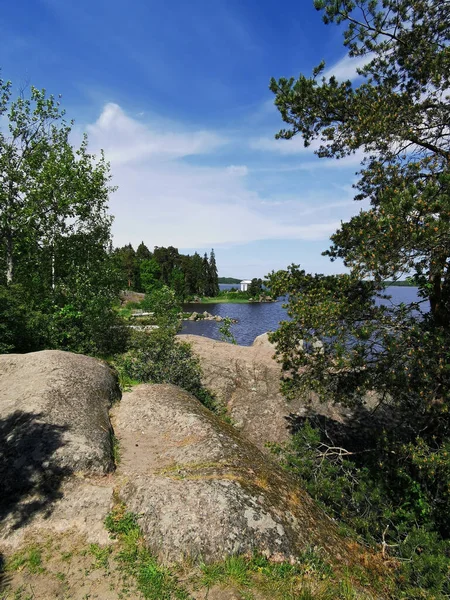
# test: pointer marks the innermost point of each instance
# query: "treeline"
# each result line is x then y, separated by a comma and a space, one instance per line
187, 275
400, 283
229, 280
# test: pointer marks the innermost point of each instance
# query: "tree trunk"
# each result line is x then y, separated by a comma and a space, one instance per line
438, 306
9, 258
53, 268
9, 234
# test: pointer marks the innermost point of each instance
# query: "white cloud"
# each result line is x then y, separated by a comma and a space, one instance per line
294, 145
126, 140
239, 170
346, 68
353, 160
165, 200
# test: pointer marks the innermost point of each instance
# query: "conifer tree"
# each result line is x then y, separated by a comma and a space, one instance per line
213, 278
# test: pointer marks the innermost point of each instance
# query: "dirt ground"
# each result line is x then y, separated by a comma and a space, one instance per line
66, 567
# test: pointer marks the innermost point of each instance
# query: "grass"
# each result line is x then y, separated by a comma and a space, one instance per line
310, 578
125, 382
124, 312
131, 567
155, 582
101, 555
233, 569
115, 449
29, 558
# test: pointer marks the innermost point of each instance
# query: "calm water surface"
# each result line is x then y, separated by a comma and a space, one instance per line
255, 319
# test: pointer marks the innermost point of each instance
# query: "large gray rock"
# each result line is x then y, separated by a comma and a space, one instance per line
262, 341
54, 423
246, 380
64, 393
202, 491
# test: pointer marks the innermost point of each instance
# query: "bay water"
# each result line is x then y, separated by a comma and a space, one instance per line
255, 319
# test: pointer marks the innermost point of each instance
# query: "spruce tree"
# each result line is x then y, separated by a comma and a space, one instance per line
213, 279
207, 289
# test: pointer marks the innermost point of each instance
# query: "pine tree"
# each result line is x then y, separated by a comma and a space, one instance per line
213, 279
206, 289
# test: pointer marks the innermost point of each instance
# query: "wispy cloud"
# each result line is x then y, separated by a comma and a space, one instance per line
139, 142
309, 161
295, 145
239, 170
353, 160
347, 67
172, 201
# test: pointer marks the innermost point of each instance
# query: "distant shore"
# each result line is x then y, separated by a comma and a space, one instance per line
229, 300
399, 284
229, 280
221, 300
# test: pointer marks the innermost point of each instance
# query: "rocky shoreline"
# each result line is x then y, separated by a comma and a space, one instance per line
204, 316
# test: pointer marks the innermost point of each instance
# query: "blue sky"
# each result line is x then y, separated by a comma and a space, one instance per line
176, 93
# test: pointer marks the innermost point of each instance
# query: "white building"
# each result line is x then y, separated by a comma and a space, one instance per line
244, 284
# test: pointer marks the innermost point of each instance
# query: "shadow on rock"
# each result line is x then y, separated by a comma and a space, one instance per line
360, 431
29, 469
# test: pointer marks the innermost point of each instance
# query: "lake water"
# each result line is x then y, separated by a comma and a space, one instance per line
255, 319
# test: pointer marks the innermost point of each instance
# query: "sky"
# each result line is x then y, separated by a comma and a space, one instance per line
176, 93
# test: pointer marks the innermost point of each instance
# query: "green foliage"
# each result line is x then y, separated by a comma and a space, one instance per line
397, 116
22, 328
309, 578
150, 274
101, 555
345, 339
84, 319
128, 265
377, 491
115, 445
225, 296
228, 280
390, 479
233, 569
55, 233
255, 288
212, 283
226, 334
166, 308
158, 356
29, 558
402, 283
121, 522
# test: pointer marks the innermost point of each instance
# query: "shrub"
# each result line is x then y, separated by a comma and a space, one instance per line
22, 328
157, 356
392, 495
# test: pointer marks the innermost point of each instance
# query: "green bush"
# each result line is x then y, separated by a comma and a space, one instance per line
22, 327
393, 496
95, 329
78, 318
157, 356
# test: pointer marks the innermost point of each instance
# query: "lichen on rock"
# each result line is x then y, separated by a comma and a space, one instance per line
201, 490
